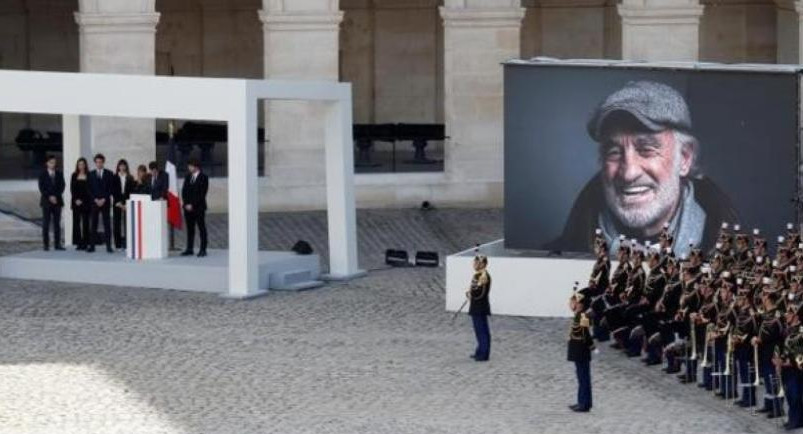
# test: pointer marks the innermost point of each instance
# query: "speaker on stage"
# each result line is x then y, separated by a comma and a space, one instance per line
426, 259
302, 247
397, 258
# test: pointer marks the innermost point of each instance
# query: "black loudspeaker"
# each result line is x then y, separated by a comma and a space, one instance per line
302, 247
426, 259
397, 258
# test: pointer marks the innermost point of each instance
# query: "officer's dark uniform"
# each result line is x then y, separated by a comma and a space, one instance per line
792, 375
580, 345
479, 309
771, 335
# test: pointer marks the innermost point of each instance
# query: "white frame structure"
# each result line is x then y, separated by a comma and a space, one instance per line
76, 96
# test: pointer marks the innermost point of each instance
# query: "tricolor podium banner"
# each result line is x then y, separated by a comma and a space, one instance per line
146, 223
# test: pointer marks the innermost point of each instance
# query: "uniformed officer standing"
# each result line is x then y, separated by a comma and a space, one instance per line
580, 346
480, 308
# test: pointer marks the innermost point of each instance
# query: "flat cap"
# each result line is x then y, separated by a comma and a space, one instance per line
656, 106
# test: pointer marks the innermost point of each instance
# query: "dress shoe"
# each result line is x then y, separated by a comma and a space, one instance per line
60, 248
90, 250
743, 404
109, 250
202, 253
763, 410
187, 253
574, 407
581, 409
80, 248
773, 415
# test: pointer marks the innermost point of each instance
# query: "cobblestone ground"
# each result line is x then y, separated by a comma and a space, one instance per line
375, 355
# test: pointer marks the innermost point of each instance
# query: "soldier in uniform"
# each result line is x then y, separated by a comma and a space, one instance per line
789, 362
744, 330
480, 308
580, 346
768, 339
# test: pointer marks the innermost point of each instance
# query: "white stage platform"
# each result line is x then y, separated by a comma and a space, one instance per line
522, 283
277, 270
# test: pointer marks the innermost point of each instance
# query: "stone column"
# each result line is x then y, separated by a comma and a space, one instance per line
789, 22
119, 36
654, 30
478, 36
301, 43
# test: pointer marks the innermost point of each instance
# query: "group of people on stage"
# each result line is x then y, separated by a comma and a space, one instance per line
100, 195
728, 320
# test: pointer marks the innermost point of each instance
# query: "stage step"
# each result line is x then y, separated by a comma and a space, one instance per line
16, 229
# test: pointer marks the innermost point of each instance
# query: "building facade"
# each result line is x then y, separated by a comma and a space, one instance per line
409, 61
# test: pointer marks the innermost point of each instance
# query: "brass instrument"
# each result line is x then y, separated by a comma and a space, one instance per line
708, 330
693, 338
728, 356
755, 365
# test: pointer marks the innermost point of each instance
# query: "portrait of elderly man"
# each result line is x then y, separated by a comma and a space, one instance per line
648, 176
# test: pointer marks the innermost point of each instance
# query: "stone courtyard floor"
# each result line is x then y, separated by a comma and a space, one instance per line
374, 355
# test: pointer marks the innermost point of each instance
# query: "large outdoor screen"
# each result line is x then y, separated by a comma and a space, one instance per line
630, 150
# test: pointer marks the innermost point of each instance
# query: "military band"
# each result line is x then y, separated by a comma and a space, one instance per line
730, 320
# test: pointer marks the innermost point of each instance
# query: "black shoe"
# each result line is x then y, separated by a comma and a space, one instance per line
46, 248
763, 410
773, 415
187, 253
689, 380
80, 248
672, 371
60, 248
109, 249
574, 407
202, 253
579, 409
652, 362
90, 250
743, 404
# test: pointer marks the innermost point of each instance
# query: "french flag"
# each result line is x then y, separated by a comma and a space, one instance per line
173, 202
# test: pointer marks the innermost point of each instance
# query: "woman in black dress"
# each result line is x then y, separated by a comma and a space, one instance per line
80, 205
142, 184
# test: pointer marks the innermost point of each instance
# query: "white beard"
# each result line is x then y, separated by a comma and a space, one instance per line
647, 215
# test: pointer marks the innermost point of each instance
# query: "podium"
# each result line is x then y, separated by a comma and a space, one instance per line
146, 228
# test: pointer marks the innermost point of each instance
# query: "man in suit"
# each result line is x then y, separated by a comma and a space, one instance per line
101, 186
51, 188
123, 187
193, 194
160, 182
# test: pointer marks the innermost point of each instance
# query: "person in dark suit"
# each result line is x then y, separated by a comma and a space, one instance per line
160, 182
579, 350
142, 184
51, 188
123, 186
101, 186
480, 308
193, 194
81, 204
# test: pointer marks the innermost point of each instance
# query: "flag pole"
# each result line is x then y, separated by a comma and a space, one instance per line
171, 132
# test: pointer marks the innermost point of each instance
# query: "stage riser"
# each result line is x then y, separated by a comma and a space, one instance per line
209, 274
521, 286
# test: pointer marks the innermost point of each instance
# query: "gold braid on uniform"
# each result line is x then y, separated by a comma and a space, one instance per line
481, 277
